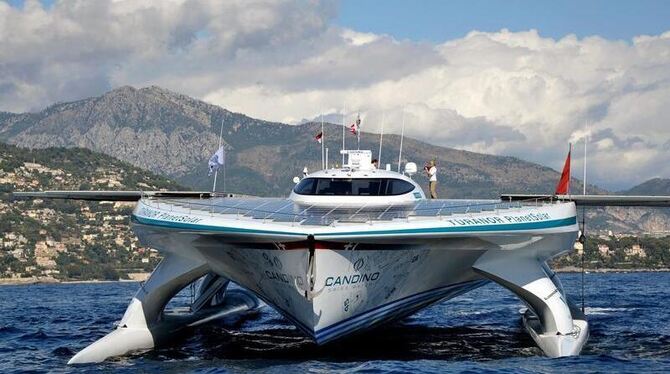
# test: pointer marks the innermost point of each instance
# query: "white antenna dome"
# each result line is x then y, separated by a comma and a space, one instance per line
410, 168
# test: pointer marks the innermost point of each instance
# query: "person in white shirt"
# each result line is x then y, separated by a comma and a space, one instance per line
431, 172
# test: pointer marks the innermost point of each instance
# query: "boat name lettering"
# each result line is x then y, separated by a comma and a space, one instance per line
284, 278
150, 213
531, 217
476, 221
342, 280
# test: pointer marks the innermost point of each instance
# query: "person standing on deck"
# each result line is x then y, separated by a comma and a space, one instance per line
431, 172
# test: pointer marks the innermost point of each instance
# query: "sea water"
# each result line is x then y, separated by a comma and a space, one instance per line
42, 326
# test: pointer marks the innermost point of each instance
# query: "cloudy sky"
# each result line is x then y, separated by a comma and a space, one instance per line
504, 77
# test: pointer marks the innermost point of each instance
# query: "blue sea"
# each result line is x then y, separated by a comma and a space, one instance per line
42, 326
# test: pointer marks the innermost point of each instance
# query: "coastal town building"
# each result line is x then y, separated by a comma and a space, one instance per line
604, 250
635, 250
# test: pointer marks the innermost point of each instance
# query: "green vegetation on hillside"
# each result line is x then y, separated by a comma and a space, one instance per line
67, 239
621, 252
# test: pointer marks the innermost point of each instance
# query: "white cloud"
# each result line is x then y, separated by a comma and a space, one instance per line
504, 92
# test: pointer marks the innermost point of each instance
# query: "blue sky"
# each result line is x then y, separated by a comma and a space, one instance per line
437, 21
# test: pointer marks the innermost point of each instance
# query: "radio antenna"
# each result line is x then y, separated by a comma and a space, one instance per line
402, 135
344, 111
381, 139
323, 141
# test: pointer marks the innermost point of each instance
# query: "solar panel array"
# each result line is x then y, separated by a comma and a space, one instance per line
284, 210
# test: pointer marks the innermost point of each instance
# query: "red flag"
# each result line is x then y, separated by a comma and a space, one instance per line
353, 128
319, 137
563, 186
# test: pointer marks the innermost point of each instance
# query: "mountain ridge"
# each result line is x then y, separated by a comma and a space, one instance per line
174, 135
653, 186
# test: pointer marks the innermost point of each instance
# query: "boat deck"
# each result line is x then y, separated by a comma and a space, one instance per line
286, 211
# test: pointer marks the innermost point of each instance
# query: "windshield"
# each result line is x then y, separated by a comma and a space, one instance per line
353, 187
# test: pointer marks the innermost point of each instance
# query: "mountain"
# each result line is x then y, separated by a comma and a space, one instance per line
619, 219
70, 239
174, 135
655, 186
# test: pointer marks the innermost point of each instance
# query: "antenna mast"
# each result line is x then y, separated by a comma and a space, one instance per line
586, 139
344, 110
381, 139
402, 135
323, 141
358, 130
583, 237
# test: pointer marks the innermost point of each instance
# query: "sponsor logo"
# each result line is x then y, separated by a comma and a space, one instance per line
283, 277
531, 217
343, 280
150, 213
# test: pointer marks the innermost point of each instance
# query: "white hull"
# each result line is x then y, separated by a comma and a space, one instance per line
335, 280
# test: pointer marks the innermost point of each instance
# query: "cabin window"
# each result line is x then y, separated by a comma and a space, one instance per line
353, 187
306, 187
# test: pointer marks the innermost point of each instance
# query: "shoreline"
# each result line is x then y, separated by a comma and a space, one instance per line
575, 269
135, 277
37, 281
49, 280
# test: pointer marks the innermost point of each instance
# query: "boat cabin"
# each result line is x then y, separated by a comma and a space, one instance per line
357, 183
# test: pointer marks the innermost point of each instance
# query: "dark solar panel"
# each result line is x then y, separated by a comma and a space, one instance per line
284, 210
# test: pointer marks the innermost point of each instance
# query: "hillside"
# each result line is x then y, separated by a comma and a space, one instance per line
174, 135
619, 219
655, 186
70, 239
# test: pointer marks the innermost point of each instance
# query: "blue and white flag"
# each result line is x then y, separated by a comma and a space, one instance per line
217, 160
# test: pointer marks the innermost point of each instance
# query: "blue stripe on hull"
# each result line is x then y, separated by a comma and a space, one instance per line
392, 310
432, 230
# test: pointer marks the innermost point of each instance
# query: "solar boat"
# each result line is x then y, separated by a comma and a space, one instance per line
350, 249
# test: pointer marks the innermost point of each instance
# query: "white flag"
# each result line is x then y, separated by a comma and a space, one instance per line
217, 160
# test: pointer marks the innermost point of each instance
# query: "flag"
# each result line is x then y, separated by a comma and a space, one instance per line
355, 127
319, 137
563, 186
217, 160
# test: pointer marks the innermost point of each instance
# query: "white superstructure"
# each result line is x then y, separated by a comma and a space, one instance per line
350, 249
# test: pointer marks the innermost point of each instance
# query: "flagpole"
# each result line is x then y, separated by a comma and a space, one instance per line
344, 110
216, 172
586, 137
402, 135
381, 139
323, 139
358, 130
